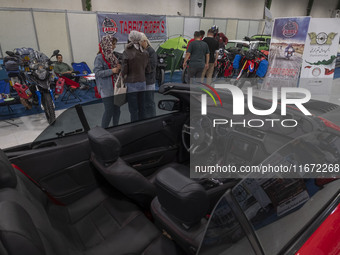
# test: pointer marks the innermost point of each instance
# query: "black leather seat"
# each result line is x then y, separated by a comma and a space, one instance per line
180, 208
105, 151
95, 224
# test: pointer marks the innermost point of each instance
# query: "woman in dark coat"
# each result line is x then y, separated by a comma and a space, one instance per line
135, 64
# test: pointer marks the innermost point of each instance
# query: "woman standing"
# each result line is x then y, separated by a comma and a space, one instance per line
135, 64
150, 108
106, 68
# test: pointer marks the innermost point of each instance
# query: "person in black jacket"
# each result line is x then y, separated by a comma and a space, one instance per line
150, 75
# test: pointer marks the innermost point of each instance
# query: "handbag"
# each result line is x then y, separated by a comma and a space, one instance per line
119, 91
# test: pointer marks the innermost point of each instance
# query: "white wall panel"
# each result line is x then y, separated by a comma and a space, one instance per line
44, 4
323, 8
231, 29
261, 27
206, 24
190, 26
162, 7
175, 26
241, 9
222, 25
242, 29
253, 27
84, 38
16, 30
120, 47
155, 45
52, 34
289, 8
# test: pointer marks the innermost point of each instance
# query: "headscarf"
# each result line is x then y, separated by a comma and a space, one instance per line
135, 38
144, 38
106, 49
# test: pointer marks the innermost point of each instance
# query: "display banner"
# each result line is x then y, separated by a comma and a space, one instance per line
285, 52
120, 25
320, 54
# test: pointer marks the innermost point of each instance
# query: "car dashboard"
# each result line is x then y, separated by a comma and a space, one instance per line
249, 139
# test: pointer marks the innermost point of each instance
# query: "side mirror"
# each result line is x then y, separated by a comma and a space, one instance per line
55, 53
10, 53
169, 105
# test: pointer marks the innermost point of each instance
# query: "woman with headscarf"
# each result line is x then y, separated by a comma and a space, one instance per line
150, 76
106, 69
135, 64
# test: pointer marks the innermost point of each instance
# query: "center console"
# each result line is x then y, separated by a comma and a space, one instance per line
241, 152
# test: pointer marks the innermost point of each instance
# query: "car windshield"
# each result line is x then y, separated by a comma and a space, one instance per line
69, 122
278, 209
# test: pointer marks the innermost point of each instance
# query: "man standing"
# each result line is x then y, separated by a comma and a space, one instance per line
198, 52
220, 37
213, 48
202, 33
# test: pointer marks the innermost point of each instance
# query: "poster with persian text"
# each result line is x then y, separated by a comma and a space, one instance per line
320, 54
285, 52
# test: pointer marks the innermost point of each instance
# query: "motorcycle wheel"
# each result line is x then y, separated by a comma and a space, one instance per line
47, 102
185, 75
161, 77
240, 82
216, 74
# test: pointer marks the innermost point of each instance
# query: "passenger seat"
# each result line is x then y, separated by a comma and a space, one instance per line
97, 224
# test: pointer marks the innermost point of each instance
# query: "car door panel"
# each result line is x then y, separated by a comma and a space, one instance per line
155, 144
65, 171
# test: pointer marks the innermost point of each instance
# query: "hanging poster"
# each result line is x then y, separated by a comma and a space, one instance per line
320, 54
285, 52
120, 25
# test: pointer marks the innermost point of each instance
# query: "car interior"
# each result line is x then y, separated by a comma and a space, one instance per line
118, 191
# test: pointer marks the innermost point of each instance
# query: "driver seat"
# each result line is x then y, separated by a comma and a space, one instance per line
105, 151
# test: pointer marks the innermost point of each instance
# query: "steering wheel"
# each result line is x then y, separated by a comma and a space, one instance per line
197, 135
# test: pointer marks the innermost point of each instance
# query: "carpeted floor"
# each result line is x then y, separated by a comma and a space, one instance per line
17, 110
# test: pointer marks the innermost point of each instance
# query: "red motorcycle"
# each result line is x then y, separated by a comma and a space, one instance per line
250, 63
224, 66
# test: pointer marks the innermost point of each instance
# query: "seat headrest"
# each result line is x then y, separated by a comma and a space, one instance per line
104, 146
184, 199
8, 178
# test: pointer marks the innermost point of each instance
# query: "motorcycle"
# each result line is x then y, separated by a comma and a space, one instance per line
289, 53
35, 89
250, 63
224, 66
161, 66
16, 63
